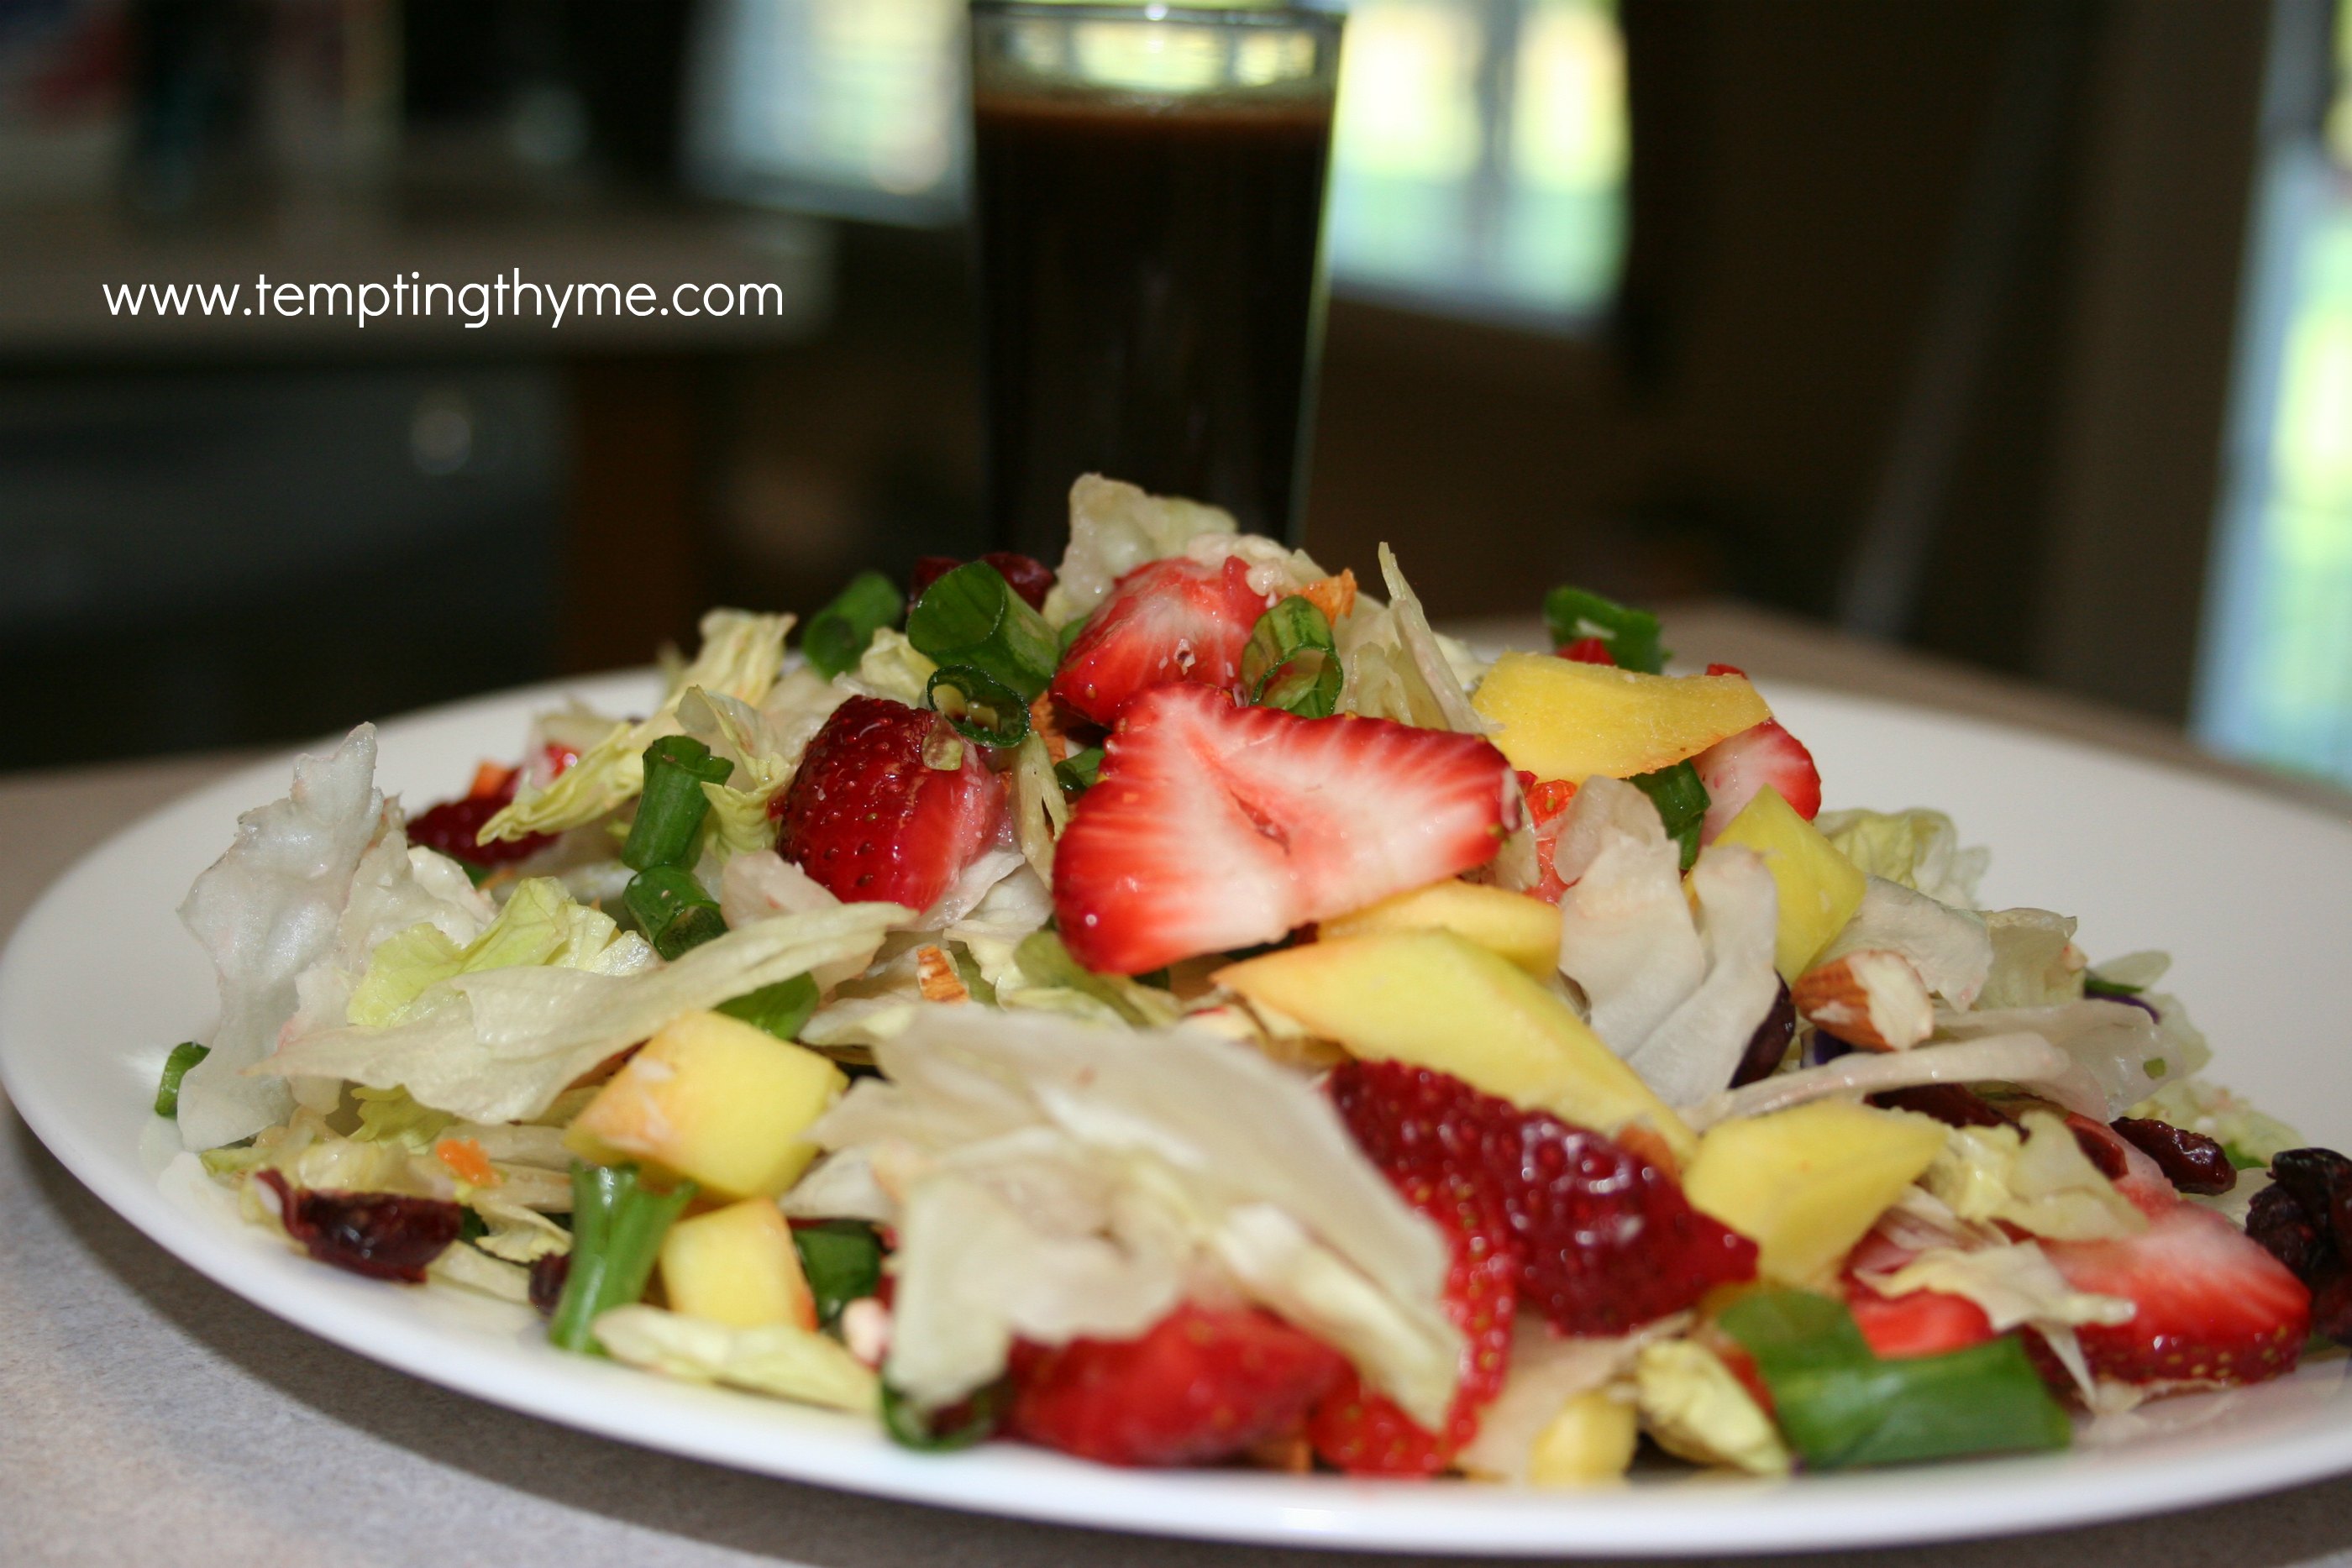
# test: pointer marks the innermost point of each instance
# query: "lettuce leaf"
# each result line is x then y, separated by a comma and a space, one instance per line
2038, 1180
740, 655
1695, 1049
891, 668
267, 910
2251, 1138
1113, 528
1918, 849
780, 1360
539, 924
1626, 938
501, 1044
1949, 946
2034, 960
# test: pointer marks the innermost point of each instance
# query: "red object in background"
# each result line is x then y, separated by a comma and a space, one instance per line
1026, 575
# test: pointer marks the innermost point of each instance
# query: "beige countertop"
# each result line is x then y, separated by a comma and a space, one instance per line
149, 1417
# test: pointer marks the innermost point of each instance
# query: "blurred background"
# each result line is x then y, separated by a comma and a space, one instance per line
2016, 330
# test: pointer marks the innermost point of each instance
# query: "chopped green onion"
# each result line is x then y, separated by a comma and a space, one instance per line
980, 707
672, 909
967, 969
838, 635
1682, 801
1841, 1407
971, 616
617, 1227
1077, 772
184, 1055
842, 1261
1573, 614
958, 1427
1291, 661
2092, 986
671, 808
780, 1008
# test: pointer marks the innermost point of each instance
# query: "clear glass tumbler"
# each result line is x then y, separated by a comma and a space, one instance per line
1149, 183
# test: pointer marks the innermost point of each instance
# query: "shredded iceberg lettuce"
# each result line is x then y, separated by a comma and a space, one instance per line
1949, 947
539, 924
740, 655
1918, 849
2247, 1135
1695, 1049
1113, 528
1626, 936
780, 1360
498, 1046
2038, 1180
2034, 960
268, 909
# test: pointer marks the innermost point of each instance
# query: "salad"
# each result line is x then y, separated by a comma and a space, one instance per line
1175, 1008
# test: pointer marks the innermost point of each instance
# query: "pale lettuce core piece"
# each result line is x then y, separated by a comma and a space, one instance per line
2037, 1179
1695, 1048
1626, 934
740, 655
268, 909
1949, 946
500, 1045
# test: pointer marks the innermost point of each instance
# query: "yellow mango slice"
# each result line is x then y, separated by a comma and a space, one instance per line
1523, 929
737, 1265
1820, 888
715, 1099
1436, 1000
1590, 1442
1561, 719
1807, 1183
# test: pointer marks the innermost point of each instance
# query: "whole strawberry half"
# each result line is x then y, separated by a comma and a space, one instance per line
872, 821
2214, 1308
1734, 768
1211, 827
1609, 1241
1174, 620
1366, 1433
1201, 1384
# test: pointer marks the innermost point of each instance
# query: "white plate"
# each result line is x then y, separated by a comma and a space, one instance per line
2250, 894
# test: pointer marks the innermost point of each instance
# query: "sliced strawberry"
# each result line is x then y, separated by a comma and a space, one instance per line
1610, 1243
1202, 1383
1918, 1323
872, 821
1366, 1433
1211, 827
1547, 802
1174, 620
1734, 769
1589, 651
2214, 1308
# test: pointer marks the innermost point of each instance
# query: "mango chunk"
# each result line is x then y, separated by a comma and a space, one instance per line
737, 1265
1436, 1000
714, 1099
1820, 888
1561, 719
1806, 1183
1523, 929
1590, 1442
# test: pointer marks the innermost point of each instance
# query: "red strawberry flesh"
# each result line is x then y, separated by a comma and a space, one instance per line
1202, 1383
1610, 1243
1211, 827
1167, 620
1736, 770
871, 820
2213, 1308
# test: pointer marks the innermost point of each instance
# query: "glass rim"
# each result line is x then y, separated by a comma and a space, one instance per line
1167, 14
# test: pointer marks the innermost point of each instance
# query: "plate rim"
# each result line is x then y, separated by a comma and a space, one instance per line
1701, 1515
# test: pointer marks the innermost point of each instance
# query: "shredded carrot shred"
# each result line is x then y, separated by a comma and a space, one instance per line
466, 1161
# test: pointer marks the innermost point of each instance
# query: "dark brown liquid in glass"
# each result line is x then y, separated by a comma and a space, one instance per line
1153, 301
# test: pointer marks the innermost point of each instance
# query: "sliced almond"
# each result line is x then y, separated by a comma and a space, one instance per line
1335, 596
936, 977
1872, 998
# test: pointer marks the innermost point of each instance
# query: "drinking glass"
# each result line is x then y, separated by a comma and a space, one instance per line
1150, 187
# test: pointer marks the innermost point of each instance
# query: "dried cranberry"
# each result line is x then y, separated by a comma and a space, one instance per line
2279, 1224
1024, 575
2102, 1147
548, 1272
453, 826
1769, 1045
2190, 1161
381, 1235
1950, 1103
2331, 1306
2321, 1180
